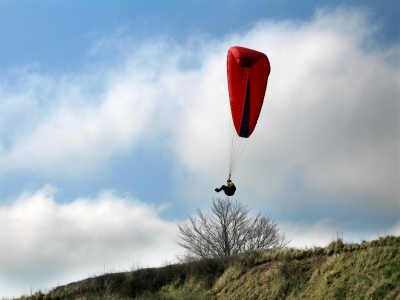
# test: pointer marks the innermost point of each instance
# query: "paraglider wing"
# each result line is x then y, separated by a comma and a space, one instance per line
248, 72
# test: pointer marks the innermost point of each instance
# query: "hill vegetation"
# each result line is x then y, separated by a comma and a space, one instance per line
370, 270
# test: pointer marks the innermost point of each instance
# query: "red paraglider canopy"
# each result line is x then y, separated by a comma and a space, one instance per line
248, 72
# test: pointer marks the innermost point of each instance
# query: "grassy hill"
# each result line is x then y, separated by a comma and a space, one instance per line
370, 270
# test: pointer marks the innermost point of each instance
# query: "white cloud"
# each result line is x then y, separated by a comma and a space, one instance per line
395, 230
329, 125
45, 243
319, 234
323, 87
78, 134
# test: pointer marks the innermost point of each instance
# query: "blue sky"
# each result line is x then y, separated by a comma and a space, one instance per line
114, 126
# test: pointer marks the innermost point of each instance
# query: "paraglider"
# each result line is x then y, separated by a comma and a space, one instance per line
228, 189
247, 72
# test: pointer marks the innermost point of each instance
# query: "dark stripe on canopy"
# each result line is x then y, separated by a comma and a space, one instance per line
244, 127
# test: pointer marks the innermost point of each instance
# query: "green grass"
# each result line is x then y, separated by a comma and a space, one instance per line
370, 270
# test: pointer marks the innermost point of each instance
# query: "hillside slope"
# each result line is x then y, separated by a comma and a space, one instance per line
370, 270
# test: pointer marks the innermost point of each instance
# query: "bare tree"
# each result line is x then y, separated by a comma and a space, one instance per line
229, 230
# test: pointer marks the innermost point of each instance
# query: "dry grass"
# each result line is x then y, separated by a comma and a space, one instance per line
370, 270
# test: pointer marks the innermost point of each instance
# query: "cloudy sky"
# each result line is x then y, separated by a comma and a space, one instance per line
115, 126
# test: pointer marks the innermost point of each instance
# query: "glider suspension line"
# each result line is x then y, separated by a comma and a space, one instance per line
237, 145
